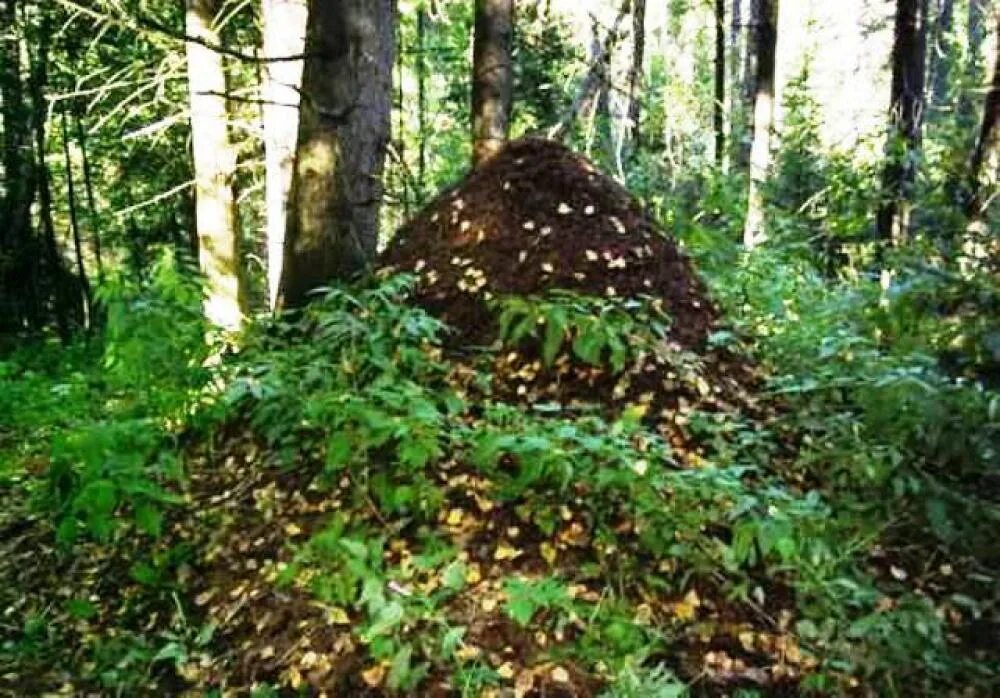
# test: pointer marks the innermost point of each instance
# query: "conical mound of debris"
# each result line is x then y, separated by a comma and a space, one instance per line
538, 218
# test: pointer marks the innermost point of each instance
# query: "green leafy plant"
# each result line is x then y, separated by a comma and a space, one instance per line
597, 329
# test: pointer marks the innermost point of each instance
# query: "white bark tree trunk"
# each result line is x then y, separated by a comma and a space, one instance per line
214, 167
284, 29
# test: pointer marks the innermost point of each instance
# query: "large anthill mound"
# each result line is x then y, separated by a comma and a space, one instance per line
538, 217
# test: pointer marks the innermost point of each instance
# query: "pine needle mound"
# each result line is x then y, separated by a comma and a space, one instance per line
538, 216
538, 219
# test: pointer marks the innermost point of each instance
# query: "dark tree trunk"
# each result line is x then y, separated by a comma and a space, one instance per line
718, 114
88, 187
74, 223
967, 108
53, 259
748, 88
905, 119
939, 61
19, 259
985, 162
763, 119
635, 72
343, 134
492, 77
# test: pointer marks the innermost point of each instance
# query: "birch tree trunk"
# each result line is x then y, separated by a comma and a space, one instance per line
763, 120
214, 167
284, 30
905, 119
492, 77
343, 133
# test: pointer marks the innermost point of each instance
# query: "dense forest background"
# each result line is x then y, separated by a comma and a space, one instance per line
219, 230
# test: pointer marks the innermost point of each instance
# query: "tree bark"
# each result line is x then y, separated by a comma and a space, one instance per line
636, 70
74, 224
718, 114
18, 265
343, 133
763, 120
88, 187
284, 30
421, 101
747, 89
214, 169
905, 119
595, 79
53, 259
939, 61
984, 167
492, 77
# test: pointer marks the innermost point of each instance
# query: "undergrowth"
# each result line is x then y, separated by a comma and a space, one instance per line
864, 508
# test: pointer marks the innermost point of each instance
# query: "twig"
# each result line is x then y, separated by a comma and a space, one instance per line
595, 76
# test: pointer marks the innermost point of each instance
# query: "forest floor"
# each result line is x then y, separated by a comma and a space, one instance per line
587, 485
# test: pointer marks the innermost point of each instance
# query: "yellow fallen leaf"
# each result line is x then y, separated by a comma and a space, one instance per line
293, 530
687, 608
473, 575
338, 616
506, 671
524, 684
506, 552
467, 652
455, 517
560, 675
548, 552
374, 675
309, 660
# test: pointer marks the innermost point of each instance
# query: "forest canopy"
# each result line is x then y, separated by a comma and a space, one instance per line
499, 348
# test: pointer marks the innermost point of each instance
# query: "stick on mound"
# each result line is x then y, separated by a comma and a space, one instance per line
537, 217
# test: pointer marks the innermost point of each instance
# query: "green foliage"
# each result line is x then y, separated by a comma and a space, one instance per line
525, 598
597, 329
118, 466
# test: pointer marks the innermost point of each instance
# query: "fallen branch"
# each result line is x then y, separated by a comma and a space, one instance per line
596, 76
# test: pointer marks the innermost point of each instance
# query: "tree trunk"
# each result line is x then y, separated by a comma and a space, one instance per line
492, 77
421, 101
905, 119
18, 261
636, 70
88, 187
718, 115
984, 168
343, 132
53, 259
763, 120
74, 224
594, 80
939, 61
214, 168
747, 89
284, 29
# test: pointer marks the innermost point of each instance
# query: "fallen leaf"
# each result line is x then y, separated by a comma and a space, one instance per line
374, 675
